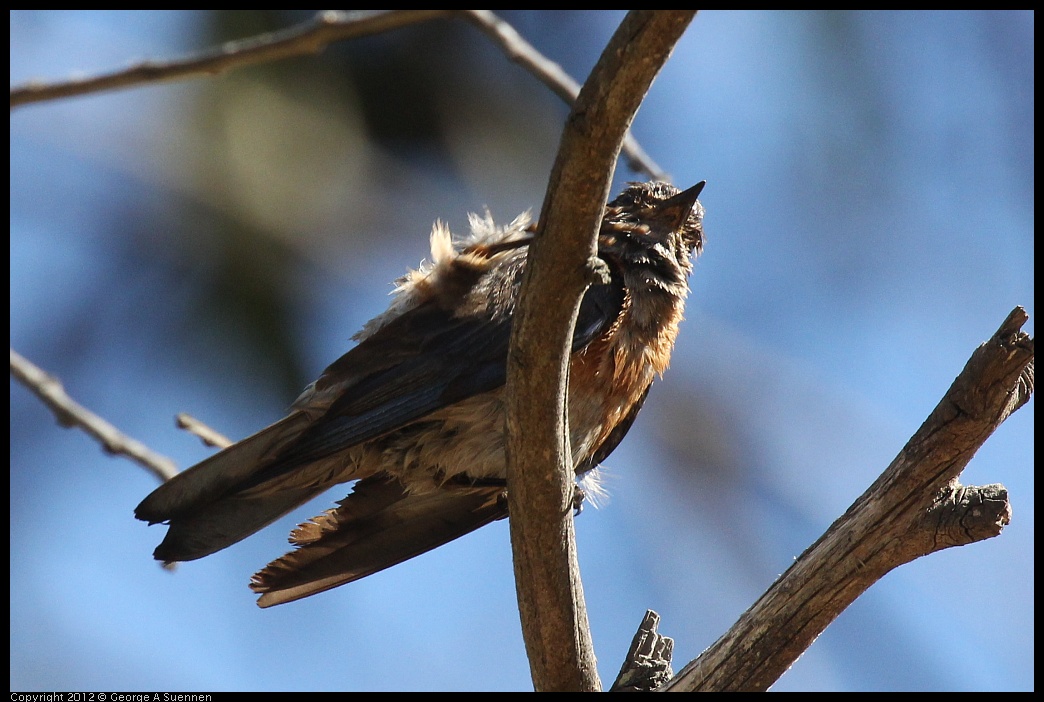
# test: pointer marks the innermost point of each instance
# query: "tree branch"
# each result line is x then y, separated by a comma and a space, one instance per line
313, 36
210, 437
71, 414
551, 74
916, 507
562, 263
306, 38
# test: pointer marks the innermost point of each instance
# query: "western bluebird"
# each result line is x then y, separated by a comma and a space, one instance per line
415, 412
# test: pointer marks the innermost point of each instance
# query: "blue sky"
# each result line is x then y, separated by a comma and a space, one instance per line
869, 223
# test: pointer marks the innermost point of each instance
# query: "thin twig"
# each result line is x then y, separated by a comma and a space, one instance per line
554, 77
313, 36
71, 414
309, 37
210, 437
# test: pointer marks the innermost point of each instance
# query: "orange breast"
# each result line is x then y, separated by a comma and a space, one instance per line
605, 381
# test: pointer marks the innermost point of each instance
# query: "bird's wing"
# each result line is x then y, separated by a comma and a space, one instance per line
377, 526
380, 525
422, 361
436, 360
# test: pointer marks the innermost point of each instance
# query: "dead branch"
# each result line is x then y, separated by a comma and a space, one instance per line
916, 507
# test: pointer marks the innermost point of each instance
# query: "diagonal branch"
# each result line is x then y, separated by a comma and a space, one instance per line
71, 414
916, 507
306, 38
562, 263
311, 37
209, 437
551, 74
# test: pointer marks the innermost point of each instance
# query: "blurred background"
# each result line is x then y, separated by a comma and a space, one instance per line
209, 246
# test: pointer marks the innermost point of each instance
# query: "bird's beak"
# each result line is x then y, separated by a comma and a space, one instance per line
673, 212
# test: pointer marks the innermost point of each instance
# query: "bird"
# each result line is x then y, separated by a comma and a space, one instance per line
413, 414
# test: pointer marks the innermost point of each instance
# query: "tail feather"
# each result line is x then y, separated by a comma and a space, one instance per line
220, 524
220, 474
374, 528
206, 507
